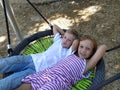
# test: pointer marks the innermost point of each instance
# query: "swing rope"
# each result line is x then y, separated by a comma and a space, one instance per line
51, 26
116, 47
7, 28
106, 82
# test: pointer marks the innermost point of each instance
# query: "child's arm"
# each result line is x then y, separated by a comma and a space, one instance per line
95, 58
57, 29
75, 45
24, 86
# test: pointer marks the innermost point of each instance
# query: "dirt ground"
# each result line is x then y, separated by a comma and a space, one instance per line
99, 18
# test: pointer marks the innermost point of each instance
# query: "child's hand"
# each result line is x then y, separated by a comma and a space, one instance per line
57, 29
75, 44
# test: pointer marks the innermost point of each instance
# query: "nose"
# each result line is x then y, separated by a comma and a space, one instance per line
83, 50
64, 41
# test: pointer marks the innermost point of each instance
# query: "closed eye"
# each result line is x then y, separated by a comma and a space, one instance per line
69, 40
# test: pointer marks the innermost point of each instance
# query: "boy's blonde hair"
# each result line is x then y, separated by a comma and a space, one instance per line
73, 32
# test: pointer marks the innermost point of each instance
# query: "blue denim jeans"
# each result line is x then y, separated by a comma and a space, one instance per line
20, 65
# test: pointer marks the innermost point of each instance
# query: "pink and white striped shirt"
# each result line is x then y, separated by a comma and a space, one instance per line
64, 74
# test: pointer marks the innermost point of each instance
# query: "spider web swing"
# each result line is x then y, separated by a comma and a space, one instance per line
40, 41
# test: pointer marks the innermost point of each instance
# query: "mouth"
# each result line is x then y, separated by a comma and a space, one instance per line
82, 55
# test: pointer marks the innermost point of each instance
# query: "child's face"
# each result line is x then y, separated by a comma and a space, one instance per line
67, 40
85, 49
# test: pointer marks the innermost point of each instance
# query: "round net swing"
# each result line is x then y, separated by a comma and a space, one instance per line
40, 41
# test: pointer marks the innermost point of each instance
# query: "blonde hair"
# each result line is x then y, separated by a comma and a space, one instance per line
73, 32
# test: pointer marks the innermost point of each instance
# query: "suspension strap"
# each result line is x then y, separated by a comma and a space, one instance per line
40, 14
106, 82
7, 27
116, 47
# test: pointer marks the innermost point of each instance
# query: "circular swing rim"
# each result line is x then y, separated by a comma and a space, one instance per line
100, 67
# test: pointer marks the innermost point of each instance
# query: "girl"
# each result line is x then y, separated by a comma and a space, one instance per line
67, 72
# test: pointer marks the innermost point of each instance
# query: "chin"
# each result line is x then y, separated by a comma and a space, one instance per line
63, 46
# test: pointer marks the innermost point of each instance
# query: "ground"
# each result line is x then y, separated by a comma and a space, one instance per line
99, 18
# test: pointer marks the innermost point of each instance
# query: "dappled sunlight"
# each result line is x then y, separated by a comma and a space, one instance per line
2, 39
39, 27
65, 21
73, 2
117, 67
87, 12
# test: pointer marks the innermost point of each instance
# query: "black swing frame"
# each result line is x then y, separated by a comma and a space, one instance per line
97, 82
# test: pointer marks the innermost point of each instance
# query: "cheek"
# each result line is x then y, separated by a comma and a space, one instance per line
68, 42
68, 45
63, 40
90, 53
78, 51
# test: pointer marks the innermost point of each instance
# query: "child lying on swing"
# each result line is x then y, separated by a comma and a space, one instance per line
68, 71
23, 65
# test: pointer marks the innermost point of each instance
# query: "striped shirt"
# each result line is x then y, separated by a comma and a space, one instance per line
59, 77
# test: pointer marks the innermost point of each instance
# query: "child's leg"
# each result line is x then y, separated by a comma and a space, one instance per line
24, 86
13, 81
14, 63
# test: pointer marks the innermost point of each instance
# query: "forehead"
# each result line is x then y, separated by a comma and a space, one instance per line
70, 35
87, 43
